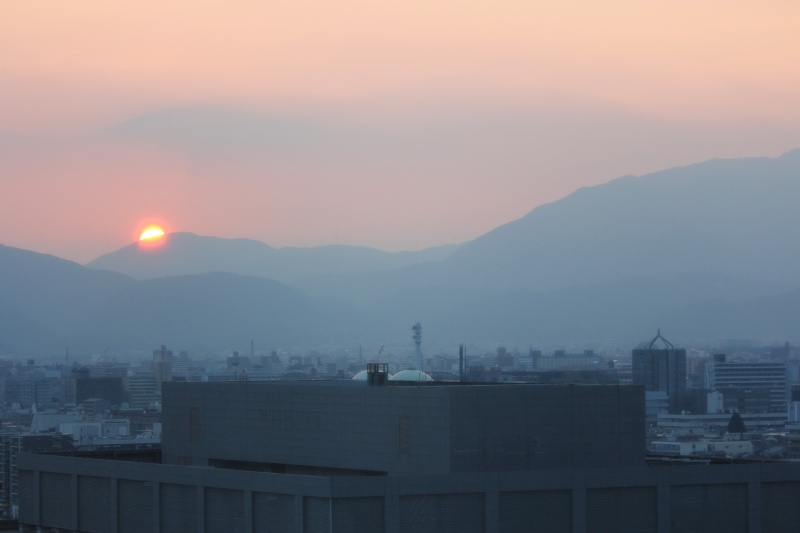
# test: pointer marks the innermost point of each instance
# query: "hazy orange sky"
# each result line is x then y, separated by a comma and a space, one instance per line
398, 125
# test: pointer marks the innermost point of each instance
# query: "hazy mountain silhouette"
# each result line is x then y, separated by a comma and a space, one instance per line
220, 310
47, 304
56, 292
683, 249
21, 335
46, 301
727, 216
216, 310
732, 217
187, 253
621, 311
764, 317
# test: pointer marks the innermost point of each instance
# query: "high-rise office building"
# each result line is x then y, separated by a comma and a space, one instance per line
162, 366
661, 369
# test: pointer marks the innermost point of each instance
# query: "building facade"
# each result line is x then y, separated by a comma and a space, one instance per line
753, 380
351, 457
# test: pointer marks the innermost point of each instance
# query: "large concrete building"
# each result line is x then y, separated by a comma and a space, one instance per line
383, 456
326, 428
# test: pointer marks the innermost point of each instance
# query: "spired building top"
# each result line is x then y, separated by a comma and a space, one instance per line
667, 345
661, 369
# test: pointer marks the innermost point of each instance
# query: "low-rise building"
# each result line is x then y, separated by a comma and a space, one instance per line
701, 424
727, 448
750, 378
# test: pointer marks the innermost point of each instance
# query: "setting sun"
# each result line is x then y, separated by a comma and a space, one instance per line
152, 237
151, 233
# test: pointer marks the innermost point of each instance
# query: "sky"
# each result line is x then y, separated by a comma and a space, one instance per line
395, 125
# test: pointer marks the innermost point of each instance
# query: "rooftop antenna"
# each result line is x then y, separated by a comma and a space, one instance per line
462, 354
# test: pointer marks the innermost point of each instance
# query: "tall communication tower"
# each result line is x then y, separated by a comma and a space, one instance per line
417, 329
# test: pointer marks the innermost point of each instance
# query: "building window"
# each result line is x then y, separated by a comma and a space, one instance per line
404, 442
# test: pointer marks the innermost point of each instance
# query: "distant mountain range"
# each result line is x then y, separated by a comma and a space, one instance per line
729, 216
187, 253
47, 303
733, 217
707, 251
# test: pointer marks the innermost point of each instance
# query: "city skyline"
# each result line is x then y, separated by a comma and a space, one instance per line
399, 126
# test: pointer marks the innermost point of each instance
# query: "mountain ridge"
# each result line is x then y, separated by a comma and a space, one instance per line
189, 253
725, 215
220, 311
707, 250
683, 210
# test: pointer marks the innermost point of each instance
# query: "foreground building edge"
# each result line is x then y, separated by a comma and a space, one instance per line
413, 482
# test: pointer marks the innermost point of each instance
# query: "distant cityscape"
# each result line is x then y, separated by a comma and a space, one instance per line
739, 406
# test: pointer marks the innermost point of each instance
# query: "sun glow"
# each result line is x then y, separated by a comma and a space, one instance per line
151, 233
152, 237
